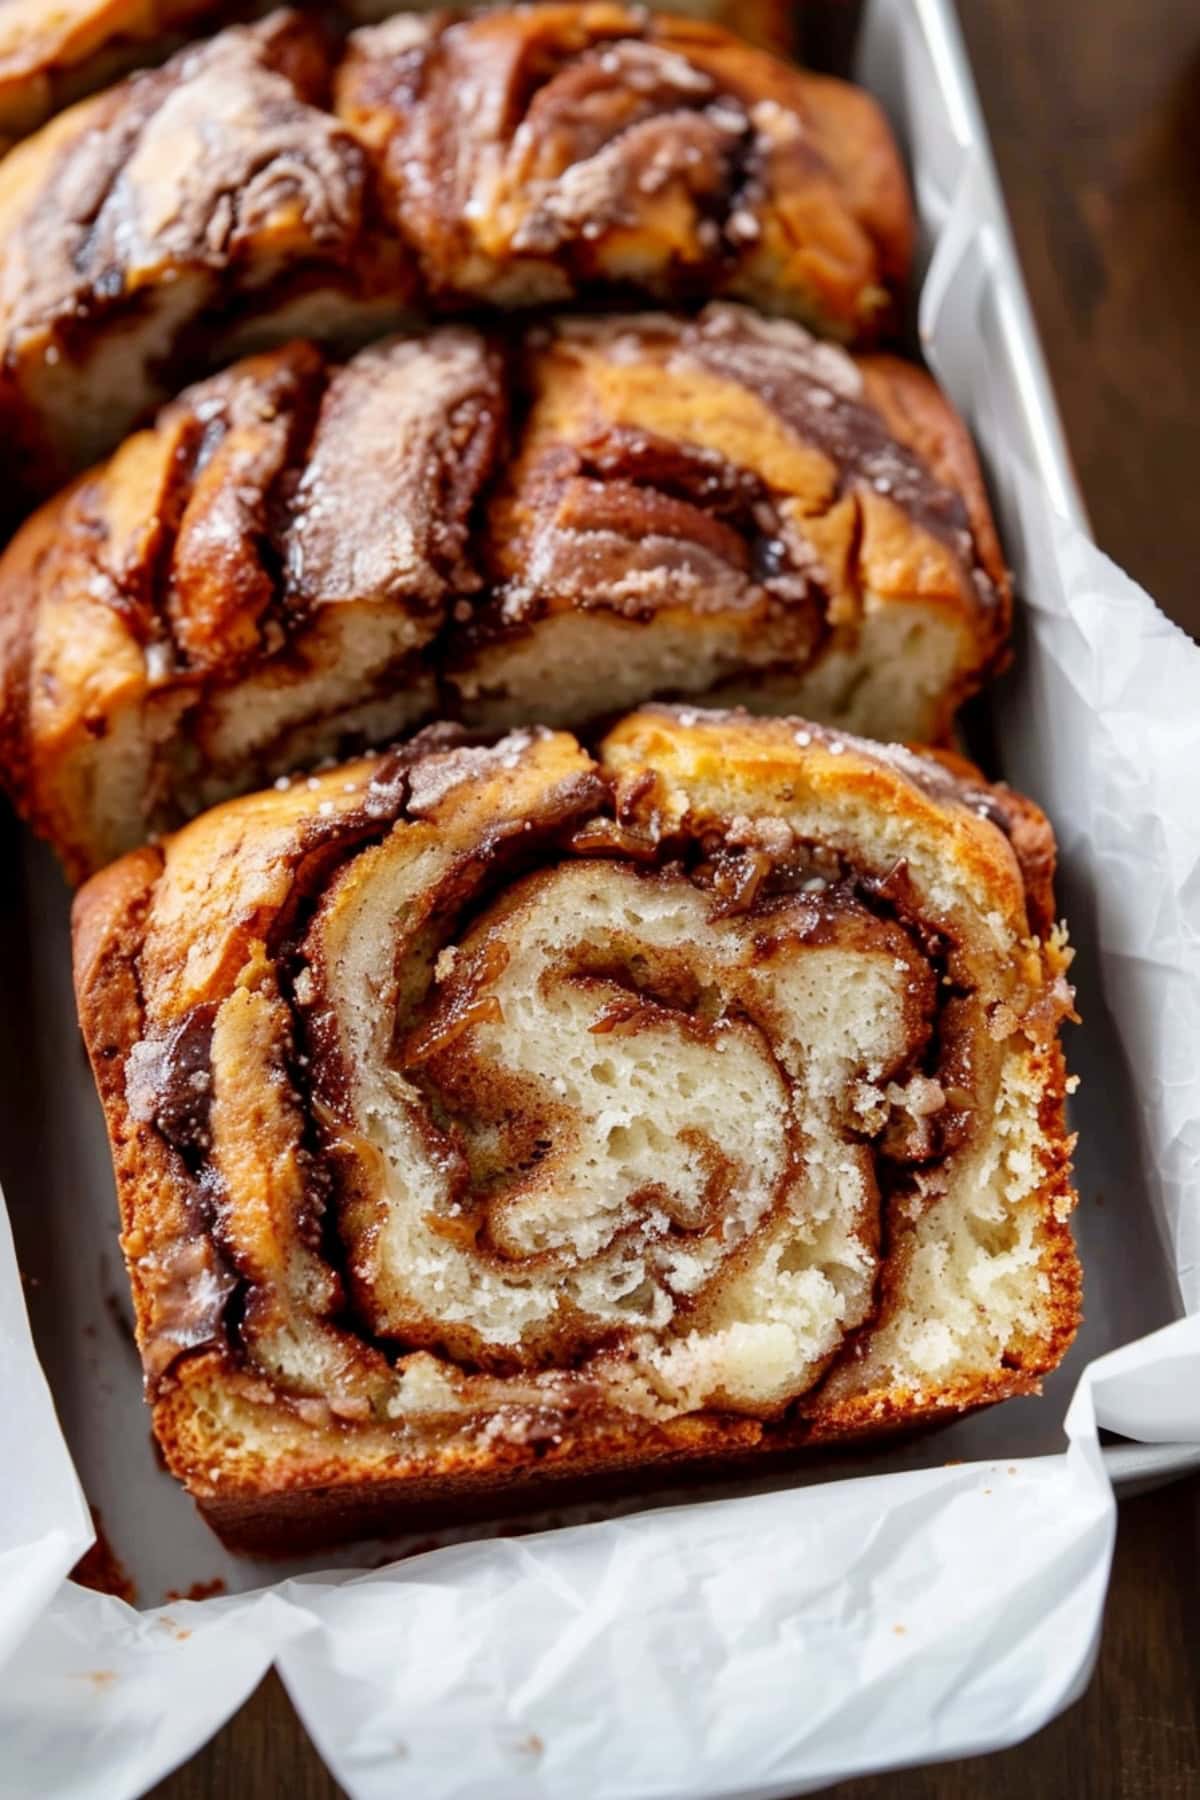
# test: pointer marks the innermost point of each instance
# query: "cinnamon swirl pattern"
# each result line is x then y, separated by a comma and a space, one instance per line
483, 1115
148, 230
723, 504
243, 587
303, 557
536, 153
223, 202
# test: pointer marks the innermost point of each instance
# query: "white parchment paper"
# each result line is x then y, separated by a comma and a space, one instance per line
929, 1601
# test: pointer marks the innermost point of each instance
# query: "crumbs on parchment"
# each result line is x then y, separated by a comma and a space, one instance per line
102, 1570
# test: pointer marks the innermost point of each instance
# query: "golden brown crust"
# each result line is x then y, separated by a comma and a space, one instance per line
914, 408
720, 497
268, 1084
611, 148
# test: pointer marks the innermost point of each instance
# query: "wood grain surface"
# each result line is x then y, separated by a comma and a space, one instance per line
1094, 109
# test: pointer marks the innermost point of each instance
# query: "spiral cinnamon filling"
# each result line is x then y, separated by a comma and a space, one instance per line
531, 1088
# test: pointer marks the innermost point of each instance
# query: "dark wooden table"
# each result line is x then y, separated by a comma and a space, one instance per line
1094, 108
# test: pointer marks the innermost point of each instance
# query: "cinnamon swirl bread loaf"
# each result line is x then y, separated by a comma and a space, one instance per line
302, 557
536, 153
486, 1117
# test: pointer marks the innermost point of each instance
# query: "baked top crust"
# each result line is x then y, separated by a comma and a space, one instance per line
486, 1112
188, 617
769, 505
552, 526
755, 422
270, 180
600, 146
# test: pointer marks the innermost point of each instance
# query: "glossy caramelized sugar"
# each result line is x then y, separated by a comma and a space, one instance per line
484, 1116
303, 556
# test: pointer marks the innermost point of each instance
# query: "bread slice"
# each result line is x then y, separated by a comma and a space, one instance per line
302, 557
486, 1118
